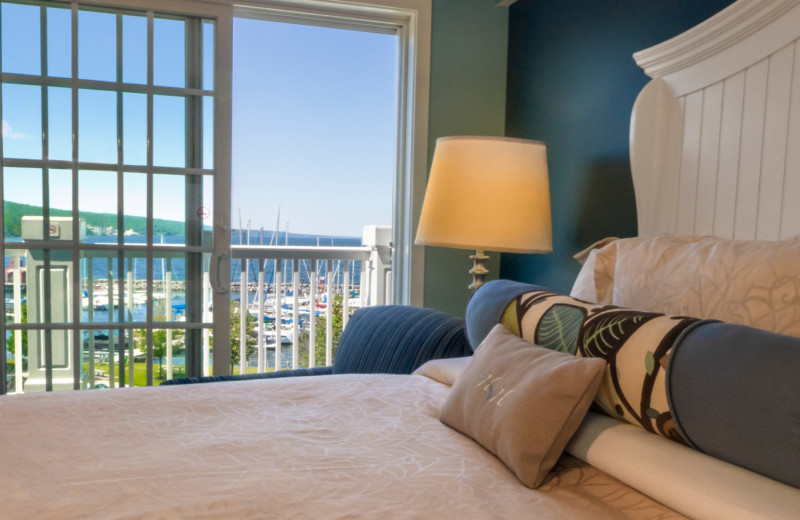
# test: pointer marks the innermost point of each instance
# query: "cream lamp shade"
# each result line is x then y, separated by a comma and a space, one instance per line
488, 193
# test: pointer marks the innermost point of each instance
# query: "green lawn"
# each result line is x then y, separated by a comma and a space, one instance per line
140, 372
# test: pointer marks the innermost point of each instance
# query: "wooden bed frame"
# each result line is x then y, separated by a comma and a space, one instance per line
715, 136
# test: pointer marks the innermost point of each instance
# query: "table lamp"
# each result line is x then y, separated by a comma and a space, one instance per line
487, 194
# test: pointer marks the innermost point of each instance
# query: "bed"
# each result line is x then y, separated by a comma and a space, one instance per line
716, 163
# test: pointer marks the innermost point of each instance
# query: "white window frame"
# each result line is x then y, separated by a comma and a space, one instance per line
222, 78
410, 20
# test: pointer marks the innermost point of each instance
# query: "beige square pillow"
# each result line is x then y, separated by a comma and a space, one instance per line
522, 402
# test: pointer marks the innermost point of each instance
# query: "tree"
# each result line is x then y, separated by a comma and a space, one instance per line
320, 331
235, 327
160, 349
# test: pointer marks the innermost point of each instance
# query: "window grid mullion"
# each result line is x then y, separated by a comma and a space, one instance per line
2, 246
75, 242
94, 84
194, 95
149, 214
46, 297
60, 164
121, 308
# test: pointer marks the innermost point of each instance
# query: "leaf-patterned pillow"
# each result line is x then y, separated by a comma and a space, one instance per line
635, 345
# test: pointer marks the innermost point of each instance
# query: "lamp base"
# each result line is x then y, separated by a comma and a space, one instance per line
478, 270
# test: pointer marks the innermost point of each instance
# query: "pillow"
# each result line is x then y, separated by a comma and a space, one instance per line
522, 402
753, 283
735, 395
635, 344
398, 339
444, 371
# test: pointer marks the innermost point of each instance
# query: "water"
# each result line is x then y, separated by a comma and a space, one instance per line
252, 361
100, 265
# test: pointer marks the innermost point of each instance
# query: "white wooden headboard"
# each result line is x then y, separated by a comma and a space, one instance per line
715, 136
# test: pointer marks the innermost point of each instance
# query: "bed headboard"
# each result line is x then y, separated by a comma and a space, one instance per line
715, 136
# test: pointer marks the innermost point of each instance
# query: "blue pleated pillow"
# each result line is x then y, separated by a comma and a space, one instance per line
398, 339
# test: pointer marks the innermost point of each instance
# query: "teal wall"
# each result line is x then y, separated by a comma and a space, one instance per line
469, 41
572, 83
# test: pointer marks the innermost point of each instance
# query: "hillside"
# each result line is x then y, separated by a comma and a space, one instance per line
95, 222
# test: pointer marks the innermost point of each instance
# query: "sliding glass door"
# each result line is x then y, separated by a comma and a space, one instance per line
108, 185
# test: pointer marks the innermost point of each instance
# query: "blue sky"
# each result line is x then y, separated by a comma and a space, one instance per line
314, 113
313, 110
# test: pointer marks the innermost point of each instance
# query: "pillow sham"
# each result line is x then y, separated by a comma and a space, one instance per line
748, 282
522, 402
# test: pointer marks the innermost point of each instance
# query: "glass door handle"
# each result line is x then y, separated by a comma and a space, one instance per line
217, 284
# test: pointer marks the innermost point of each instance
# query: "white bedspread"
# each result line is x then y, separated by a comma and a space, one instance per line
310, 447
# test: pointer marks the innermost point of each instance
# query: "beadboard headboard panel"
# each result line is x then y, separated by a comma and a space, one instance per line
715, 135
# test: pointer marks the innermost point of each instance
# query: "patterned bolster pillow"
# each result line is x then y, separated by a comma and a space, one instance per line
735, 393
728, 390
635, 344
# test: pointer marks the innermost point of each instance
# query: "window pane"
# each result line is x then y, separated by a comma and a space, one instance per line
139, 339
59, 121
22, 192
169, 209
17, 309
207, 210
98, 367
134, 49
208, 56
59, 302
97, 126
170, 267
60, 193
59, 42
22, 121
100, 300
135, 201
169, 55
97, 203
169, 131
21, 40
208, 133
97, 46
134, 128
134, 280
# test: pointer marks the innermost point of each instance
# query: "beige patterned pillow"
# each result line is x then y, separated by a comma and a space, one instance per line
522, 402
749, 282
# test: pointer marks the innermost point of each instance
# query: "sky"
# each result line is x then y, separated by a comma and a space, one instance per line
314, 117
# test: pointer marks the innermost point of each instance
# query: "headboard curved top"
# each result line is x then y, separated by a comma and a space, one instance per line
715, 135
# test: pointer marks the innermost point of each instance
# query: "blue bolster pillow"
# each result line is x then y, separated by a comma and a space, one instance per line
734, 392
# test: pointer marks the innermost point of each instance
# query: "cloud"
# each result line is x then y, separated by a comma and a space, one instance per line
8, 133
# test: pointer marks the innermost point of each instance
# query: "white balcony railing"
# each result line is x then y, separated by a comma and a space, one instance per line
290, 290
287, 293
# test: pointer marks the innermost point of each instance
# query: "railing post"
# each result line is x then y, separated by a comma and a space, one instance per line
379, 238
329, 313
243, 296
295, 314
17, 319
312, 318
168, 315
262, 340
